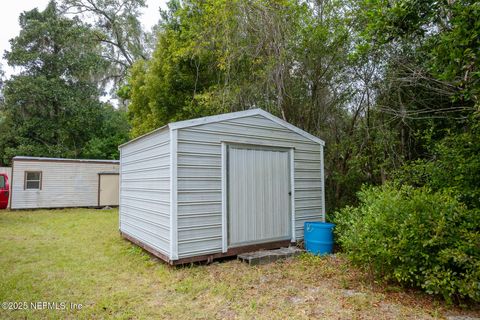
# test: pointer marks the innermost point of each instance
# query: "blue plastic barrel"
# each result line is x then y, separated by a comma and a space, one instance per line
318, 237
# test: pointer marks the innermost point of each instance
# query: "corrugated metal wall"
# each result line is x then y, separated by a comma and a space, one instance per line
145, 190
258, 195
64, 184
199, 178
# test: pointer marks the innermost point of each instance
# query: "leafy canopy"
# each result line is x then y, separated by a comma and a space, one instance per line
52, 106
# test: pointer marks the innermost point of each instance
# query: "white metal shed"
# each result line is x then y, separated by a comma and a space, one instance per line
216, 186
38, 182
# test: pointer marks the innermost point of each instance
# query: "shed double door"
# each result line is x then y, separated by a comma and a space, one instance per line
258, 195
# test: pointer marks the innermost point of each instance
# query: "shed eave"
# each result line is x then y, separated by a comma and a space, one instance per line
46, 159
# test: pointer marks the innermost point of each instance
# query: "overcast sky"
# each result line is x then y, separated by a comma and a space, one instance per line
10, 11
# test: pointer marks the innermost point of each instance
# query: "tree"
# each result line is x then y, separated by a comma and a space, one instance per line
52, 106
288, 57
381, 82
113, 132
172, 85
2, 82
118, 29
409, 92
284, 56
431, 70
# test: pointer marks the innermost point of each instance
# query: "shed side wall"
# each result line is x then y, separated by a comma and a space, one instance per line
144, 190
64, 184
199, 178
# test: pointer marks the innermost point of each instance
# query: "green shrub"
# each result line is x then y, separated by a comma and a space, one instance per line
416, 237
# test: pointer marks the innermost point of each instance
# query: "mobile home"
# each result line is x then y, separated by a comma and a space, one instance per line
59, 183
220, 185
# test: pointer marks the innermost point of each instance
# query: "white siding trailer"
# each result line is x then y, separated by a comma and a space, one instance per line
60, 183
221, 185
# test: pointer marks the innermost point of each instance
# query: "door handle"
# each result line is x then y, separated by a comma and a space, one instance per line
289, 193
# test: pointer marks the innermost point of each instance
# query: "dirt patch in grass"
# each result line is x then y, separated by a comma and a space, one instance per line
78, 256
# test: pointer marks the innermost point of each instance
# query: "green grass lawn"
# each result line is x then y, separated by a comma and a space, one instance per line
77, 256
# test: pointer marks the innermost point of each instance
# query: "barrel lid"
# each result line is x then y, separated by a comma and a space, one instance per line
321, 224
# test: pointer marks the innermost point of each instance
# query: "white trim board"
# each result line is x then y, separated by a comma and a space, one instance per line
292, 191
120, 191
322, 174
173, 196
224, 198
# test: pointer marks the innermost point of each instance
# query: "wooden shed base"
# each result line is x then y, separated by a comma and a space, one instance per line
209, 257
146, 247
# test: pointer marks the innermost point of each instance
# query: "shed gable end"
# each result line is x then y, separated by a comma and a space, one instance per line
199, 171
243, 114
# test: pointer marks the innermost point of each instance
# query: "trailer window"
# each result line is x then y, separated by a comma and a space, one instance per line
33, 180
2, 182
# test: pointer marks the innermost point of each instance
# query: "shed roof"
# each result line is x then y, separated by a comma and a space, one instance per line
230, 116
25, 158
